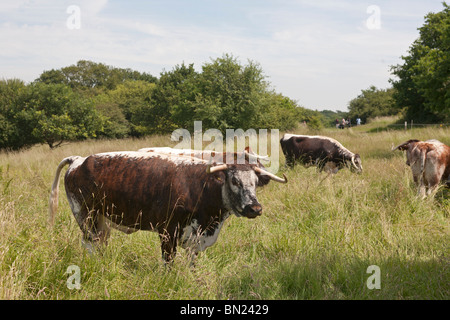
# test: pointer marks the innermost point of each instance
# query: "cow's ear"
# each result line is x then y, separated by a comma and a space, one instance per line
262, 179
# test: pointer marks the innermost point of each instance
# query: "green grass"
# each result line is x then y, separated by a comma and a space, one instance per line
315, 239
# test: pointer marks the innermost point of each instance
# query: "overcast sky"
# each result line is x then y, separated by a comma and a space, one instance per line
321, 53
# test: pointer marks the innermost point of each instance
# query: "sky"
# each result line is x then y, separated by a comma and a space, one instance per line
320, 53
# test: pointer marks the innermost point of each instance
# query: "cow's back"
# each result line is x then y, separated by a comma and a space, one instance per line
313, 149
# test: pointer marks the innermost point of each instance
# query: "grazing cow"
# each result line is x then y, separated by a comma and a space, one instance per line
247, 156
185, 199
324, 152
430, 163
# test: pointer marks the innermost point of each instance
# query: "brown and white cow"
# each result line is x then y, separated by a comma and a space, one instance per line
184, 199
430, 163
326, 153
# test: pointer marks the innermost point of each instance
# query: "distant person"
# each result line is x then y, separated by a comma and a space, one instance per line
342, 125
337, 123
358, 121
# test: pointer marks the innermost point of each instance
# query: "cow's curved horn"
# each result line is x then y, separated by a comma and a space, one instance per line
353, 163
405, 145
220, 167
400, 146
271, 175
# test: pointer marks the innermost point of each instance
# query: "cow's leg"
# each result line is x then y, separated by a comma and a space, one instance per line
418, 178
290, 160
433, 175
421, 190
432, 184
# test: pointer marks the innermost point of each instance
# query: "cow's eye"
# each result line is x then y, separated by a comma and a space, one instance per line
235, 181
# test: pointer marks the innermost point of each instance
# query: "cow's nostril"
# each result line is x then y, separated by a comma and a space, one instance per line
252, 211
256, 208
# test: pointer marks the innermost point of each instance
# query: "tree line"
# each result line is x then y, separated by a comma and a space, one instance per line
93, 100
421, 85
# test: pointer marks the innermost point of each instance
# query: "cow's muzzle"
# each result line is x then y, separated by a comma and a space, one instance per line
252, 211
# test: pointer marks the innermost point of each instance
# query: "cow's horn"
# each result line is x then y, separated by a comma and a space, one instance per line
353, 163
271, 175
220, 167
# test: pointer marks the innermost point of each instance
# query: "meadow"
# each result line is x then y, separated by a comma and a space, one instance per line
316, 238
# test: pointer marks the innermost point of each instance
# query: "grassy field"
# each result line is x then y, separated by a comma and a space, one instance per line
315, 240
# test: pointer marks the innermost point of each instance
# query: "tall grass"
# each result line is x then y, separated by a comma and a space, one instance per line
315, 239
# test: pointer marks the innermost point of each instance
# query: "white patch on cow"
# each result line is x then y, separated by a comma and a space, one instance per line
78, 161
174, 158
246, 192
201, 154
75, 206
207, 241
439, 146
197, 240
189, 234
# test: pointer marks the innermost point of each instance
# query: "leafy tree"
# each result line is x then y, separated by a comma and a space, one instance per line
226, 94
277, 112
133, 98
371, 103
423, 86
232, 92
15, 130
57, 114
175, 99
88, 75
114, 124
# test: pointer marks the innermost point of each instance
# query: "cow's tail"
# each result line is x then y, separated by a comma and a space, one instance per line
53, 201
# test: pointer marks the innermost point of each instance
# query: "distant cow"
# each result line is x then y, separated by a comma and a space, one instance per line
184, 199
324, 152
430, 163
247, 156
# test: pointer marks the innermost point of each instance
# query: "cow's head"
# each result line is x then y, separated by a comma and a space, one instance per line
409, 146
356, 164
238, 183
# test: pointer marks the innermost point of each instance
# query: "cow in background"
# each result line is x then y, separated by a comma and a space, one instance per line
324, 152
430, 164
